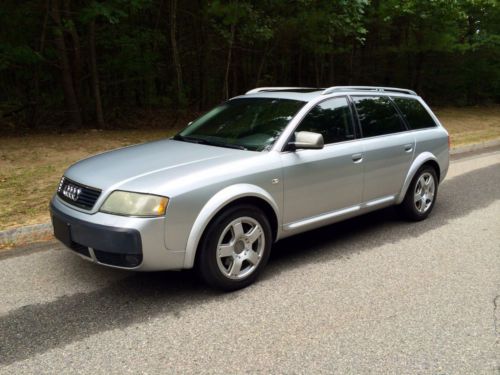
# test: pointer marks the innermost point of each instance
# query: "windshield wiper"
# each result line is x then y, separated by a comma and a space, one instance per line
183, 138
227, 145
203, 141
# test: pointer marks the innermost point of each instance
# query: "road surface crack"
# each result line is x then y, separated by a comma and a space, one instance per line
496, 312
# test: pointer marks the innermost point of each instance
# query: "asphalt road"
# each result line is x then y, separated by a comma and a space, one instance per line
371, 295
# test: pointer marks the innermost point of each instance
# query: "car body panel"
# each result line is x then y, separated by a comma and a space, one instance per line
319, 181
386, 160
213, 186
217, 203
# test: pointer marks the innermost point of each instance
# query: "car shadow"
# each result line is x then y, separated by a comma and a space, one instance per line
37, 328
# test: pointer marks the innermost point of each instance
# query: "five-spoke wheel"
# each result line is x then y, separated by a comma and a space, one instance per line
240, 247
235, 247
421, 194
424, 192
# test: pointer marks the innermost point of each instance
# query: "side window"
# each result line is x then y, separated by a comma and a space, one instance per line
377, 116
332, 119
414, 113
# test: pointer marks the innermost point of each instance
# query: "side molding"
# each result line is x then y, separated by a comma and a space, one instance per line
417, 163
214, 205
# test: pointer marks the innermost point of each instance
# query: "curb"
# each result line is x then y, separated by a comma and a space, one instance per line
25, 234
474, 147
37, 232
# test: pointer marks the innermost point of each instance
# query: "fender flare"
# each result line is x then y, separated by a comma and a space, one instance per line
417, 163
214, 205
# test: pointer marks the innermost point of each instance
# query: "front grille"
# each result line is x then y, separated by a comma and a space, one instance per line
77, 194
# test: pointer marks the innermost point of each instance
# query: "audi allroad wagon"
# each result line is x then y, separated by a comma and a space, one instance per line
260, 167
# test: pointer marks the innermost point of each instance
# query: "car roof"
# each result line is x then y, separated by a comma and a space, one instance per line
307, 94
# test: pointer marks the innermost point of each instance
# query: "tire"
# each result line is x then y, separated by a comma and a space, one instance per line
234, 248
421, 194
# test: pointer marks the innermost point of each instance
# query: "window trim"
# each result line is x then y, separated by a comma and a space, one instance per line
357, 135
378, 95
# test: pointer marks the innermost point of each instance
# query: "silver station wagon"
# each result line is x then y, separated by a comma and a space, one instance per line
261, 167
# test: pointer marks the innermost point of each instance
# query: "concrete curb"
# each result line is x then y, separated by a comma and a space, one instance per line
25, 234
474, 147
32, 233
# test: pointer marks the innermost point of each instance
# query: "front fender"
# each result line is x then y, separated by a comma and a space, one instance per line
417, 163
214, 205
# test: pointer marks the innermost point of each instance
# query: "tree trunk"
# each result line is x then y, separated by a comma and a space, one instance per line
70, 98
175, 50
299, 68
225, 91
77, 61
34, 114
261, 67
331, 70
95, 75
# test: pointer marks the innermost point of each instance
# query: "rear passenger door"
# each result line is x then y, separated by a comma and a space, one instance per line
388, 147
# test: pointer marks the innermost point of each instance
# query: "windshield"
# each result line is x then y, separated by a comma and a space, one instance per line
247, 123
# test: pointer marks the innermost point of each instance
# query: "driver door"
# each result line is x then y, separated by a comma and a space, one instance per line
322, 184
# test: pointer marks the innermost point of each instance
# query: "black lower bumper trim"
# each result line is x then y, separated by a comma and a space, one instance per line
122, 260
114, 246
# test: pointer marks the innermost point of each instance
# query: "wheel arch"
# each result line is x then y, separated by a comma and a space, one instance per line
425, 158
228, 197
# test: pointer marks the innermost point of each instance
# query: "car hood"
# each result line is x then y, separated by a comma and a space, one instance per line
165, 159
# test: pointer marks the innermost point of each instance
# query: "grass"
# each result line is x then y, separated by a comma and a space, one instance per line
31, 166
471, 124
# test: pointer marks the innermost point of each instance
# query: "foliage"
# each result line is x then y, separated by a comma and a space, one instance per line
447, 50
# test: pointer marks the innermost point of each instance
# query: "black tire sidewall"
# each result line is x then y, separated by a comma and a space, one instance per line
408, 205
206, 263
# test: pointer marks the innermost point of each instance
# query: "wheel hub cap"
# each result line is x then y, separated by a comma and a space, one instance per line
239, 247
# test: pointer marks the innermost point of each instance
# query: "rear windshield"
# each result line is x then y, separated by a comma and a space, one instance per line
414, 113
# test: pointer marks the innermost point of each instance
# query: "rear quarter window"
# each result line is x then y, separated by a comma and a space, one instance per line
414, 113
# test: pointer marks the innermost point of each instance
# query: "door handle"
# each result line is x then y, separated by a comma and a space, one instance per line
409, 147
357, 158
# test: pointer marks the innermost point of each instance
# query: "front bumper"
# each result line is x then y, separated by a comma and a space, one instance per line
115, 241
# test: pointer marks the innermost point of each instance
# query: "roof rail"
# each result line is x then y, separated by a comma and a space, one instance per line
260, 89
367, 88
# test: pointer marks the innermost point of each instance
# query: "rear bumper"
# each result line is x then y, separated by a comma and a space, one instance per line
114, 241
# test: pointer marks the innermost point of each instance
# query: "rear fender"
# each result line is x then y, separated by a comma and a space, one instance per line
417, 163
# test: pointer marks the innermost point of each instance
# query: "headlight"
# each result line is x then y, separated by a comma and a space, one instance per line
134, 204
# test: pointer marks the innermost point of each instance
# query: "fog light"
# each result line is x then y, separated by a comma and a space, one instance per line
132, 260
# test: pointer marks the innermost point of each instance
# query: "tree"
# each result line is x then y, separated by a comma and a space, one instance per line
67, 78
69, 64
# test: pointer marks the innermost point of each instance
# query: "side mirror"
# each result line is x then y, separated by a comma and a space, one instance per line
307, 141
